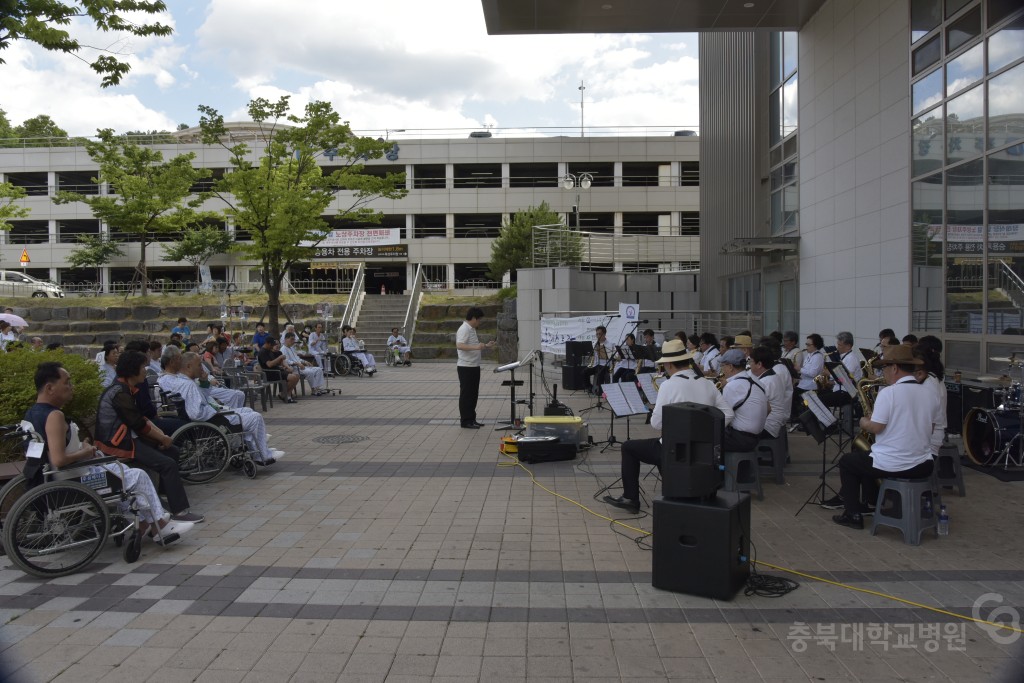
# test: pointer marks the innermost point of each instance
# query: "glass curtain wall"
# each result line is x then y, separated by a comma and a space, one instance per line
967, 163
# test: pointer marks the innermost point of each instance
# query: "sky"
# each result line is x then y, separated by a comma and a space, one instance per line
384, 65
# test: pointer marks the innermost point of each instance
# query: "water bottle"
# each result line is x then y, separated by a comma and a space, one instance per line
943, 521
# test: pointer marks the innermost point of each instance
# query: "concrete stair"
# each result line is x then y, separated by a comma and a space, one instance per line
378, 314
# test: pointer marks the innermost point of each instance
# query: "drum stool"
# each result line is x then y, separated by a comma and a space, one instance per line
777, 450
742, 473
907, 514
948, 470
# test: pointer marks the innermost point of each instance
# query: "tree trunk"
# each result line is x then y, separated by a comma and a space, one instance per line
142, 266
273, 287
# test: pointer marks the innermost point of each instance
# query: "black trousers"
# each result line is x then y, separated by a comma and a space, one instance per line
624, 375
469, 392
599, 373
165, 463
634, 452
858, 475
739, 442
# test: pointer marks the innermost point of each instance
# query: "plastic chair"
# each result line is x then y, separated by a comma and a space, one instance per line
910, 505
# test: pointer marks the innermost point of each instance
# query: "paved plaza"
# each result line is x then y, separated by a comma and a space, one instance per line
392, 545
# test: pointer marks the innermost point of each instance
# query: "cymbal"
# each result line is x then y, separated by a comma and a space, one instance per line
988, 378
1012, 361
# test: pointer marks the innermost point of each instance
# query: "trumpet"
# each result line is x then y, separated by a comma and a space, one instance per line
867, 389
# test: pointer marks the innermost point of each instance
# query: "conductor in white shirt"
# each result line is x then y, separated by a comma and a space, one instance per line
469, 348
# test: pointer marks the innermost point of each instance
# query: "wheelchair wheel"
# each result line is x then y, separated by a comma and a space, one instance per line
389, 357
342, 364
56, 529
204, 452
9, 495
133, 548
249, 467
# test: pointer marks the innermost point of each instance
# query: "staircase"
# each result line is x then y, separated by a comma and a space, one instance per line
379, 313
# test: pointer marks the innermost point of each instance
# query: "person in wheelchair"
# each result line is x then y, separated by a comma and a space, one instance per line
124, 432
61, 447
396, 342
313, 374
357, 350
180, 374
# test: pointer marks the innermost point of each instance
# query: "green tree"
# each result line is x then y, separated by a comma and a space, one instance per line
278, 192
8, 209
198, 245
513, 249
41, 126
6, 129
95, 251
151, 194
40, 22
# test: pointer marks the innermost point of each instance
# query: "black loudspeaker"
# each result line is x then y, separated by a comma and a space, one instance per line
954, 408
691, 450
573, 377
575, 351
702, 548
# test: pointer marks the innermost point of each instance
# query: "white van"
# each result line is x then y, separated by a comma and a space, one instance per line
13, 283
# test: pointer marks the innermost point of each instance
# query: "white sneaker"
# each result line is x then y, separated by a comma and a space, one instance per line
180, 528
276, 454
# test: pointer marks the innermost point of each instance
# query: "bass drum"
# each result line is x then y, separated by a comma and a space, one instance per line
986, 433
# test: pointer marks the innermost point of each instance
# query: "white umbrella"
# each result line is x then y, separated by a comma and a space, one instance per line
14, 320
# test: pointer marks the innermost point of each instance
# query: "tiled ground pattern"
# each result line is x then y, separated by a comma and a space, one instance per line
413, 554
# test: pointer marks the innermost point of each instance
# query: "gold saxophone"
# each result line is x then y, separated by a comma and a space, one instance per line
866, 391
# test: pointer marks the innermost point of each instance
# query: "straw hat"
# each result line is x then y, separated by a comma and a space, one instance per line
674, 351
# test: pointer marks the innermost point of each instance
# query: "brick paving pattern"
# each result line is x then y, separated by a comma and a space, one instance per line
391, 545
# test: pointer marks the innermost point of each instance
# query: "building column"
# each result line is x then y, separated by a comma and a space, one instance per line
51, 229
505, 176
51, 183
451, 276
449, 176
449, 226
617, 173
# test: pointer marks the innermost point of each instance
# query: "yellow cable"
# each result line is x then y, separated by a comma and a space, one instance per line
516, 463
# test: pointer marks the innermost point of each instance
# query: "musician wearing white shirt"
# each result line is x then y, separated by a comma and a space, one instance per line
710, 354
813, 365
778, 388
651, 353
682, 385
837, 395
625, 371
903, 420
599, 369
748, 401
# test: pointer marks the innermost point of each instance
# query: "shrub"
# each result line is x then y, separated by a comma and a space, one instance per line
18, 391
506, 293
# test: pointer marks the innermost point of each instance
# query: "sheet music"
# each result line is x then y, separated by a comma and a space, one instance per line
843, 378
647, 384
823, 414
622, 401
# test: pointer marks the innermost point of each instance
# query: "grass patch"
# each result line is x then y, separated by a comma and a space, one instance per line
175, 300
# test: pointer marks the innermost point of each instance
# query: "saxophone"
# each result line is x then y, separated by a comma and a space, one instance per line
864, 440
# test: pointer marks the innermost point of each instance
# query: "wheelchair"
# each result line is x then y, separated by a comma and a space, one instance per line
393, 357
60, 526
347, 364
209, 448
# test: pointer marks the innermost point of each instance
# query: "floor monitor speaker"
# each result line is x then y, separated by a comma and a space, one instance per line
691, 450
702, 547
574, 377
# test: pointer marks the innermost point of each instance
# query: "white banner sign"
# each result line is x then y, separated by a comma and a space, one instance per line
362, 237
554, 332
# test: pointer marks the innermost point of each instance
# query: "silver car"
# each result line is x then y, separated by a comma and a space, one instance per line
14, 283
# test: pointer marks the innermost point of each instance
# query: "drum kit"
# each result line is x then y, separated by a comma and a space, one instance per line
992, 436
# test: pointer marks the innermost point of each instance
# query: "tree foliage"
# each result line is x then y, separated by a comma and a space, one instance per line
151, 194
42, 22
9, 194
278, 193
95, 251
513, 249
198, 245
41, 126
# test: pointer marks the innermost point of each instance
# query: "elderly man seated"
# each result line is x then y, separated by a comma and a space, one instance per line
180, 374
107, 359
319, 346
396, 342
313, 374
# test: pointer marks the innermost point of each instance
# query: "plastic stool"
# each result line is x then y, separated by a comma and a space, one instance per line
742, 473
948, 471
907, 514
778, 450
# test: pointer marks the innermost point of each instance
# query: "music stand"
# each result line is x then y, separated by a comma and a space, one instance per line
817, 420
623, 400
512, 383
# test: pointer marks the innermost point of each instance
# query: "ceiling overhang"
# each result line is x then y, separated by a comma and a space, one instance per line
753, 246
510, 17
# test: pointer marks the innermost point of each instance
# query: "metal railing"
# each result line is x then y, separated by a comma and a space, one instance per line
412, 310
355, 298
554, 246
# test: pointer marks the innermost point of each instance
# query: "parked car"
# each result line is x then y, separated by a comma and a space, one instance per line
14, 283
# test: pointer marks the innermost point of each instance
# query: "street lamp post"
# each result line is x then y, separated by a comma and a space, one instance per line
577, 181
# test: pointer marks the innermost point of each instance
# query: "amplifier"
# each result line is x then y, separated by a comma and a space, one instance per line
544, 449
